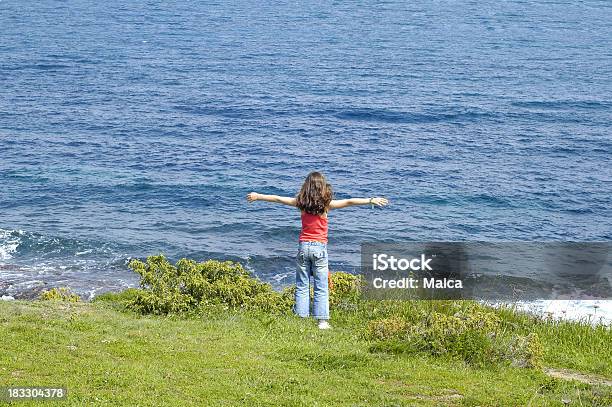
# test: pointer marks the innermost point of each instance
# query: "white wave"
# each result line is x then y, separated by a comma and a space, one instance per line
593, 312
9, 243
278, 278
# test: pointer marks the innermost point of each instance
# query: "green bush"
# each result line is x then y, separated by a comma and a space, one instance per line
59, 294
469, 332
526, 351
345, 288
188, 286
388, 328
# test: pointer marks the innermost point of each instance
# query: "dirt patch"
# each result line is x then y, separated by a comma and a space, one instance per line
578, 376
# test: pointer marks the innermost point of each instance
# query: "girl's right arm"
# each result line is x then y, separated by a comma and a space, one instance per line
285, 200
343, 203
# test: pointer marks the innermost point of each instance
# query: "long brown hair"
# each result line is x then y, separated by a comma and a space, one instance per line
316, 194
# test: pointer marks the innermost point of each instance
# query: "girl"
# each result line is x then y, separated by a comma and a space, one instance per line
314, 201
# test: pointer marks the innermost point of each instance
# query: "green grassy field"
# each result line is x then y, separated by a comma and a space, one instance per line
106, 355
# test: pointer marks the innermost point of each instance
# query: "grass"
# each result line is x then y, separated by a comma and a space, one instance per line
106, 355
570, 345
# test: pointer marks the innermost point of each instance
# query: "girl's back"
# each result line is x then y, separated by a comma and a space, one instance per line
314, 228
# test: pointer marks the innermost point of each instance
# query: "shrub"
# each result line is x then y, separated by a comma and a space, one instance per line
526, 351
344, 288
59, 294
187, 286
388, 328
469, 332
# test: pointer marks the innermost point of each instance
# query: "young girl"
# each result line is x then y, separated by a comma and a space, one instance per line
314, 201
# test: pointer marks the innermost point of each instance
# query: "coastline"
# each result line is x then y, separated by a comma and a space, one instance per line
590, 312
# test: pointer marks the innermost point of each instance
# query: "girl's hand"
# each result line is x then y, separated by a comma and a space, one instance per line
379, 201
252, 197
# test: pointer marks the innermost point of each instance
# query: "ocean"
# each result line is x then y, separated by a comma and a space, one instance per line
128, 130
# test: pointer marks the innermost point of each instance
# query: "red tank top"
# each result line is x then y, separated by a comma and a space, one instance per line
314, 228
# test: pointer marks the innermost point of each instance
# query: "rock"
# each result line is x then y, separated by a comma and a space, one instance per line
587, 378
7, 298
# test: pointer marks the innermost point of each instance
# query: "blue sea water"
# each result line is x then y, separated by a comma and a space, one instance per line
128, 129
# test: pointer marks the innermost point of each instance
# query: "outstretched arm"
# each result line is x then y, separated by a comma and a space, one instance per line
285, 200
343, 203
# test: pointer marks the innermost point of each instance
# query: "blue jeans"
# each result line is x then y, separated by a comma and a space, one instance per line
312, 261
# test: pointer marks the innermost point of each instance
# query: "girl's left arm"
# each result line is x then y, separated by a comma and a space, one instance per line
285, 200
343, 203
